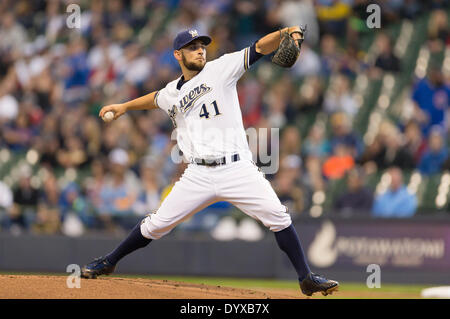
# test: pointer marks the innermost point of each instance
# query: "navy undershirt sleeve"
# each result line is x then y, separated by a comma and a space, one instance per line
254, 56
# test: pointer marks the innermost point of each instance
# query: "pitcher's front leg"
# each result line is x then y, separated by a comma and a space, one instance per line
189, 195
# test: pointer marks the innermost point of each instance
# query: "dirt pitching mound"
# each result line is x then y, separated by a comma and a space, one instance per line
55, 287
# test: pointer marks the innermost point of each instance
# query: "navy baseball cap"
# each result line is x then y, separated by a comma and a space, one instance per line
185, 37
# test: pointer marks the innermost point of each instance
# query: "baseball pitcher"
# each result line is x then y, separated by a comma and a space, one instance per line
204, 108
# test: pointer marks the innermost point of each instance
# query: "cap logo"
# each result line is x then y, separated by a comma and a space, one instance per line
193, 33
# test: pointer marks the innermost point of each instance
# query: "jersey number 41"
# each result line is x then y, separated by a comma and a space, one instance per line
204, 112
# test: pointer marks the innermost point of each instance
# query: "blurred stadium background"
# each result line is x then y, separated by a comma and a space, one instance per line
363, 117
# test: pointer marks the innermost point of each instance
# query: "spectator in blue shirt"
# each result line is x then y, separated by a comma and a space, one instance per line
119, 193
432, 97
78, 68
436, 154
72, 201
397, 201
76, 73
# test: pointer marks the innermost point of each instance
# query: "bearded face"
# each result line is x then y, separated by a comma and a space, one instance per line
193, 56
193, 65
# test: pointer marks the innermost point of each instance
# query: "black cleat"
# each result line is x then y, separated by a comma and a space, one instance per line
100, 266
315, 283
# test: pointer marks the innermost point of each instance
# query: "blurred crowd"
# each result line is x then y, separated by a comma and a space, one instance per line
54, 80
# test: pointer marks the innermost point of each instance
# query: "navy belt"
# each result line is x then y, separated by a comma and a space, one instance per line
215, 162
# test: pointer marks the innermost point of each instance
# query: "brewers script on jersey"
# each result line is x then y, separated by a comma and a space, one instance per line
203, 105
207, 105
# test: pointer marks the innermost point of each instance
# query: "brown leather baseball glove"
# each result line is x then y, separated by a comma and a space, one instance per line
288, 51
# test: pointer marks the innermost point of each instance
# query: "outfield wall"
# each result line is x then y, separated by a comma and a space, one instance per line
408, 251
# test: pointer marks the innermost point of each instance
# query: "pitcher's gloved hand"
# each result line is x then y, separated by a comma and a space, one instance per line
289, 48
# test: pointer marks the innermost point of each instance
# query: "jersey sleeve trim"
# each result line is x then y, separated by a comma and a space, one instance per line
155, 99
246, 60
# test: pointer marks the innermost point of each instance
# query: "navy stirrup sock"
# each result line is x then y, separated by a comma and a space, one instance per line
288, 242
134, 241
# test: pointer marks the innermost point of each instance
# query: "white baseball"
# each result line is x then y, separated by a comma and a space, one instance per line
108, 116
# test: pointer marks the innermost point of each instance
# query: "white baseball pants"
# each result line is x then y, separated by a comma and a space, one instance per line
241, 183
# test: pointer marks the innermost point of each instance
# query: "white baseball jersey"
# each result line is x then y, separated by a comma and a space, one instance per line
205, 110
